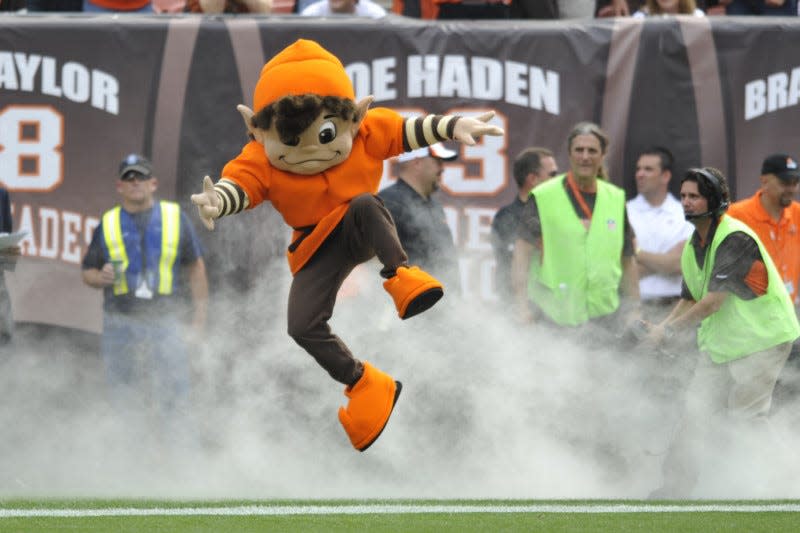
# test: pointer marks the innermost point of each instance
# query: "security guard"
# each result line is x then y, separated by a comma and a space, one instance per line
146, 258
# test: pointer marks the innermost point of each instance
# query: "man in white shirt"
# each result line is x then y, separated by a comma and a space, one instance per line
355, 8
661, 232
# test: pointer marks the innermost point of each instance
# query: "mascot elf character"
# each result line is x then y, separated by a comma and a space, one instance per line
317, 155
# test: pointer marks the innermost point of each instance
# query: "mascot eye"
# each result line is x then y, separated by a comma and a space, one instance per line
327, 132
294, 141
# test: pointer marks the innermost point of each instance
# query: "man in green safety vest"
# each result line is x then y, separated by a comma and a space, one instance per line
735, 297
574, 255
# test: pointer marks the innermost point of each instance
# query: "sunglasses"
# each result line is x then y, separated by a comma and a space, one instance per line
134, 176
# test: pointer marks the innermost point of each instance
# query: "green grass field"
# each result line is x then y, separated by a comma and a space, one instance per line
398, 516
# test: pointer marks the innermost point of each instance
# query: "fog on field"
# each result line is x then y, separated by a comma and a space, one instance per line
489, 409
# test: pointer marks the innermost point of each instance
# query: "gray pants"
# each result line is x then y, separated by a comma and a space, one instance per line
367, 230
740, 391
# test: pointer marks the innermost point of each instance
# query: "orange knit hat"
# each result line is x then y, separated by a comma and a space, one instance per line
301, 68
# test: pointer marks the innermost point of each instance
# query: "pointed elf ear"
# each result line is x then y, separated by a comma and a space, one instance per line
361, 111
247, 115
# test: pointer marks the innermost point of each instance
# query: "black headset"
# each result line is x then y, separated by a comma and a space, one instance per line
716, 189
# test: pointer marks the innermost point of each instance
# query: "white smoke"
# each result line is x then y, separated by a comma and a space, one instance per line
489, 409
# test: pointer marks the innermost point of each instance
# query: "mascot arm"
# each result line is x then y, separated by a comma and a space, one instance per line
244, 185
419, 132
219, 199
232, 198
388, 134
251, 172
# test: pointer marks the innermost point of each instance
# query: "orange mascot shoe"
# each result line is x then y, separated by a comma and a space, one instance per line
413, 291
372, 399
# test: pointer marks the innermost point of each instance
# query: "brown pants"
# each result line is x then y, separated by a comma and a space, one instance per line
367, 230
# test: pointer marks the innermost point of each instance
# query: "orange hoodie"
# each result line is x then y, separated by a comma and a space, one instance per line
321, 199
318, 200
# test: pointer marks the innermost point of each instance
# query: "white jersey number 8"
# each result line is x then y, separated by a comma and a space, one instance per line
31, 138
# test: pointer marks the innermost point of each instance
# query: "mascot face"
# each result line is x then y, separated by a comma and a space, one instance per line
324, 144
301, 68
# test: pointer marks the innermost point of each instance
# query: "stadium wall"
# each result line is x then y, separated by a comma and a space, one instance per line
78, 92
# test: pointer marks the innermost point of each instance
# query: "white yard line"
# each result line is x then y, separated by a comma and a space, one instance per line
285, 510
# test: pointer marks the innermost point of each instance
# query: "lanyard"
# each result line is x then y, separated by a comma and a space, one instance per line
579, 196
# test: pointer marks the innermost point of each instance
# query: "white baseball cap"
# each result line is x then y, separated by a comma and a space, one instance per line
437, 151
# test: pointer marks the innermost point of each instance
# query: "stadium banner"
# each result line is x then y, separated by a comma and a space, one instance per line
78, 93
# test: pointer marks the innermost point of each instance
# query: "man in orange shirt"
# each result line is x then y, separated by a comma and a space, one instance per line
774, 215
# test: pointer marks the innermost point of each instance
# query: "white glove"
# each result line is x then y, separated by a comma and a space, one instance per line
468, 128
208, 203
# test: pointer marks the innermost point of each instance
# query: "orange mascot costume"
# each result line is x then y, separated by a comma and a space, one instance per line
317, 155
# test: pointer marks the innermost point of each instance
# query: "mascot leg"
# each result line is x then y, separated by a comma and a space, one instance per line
372, 399
413, 291
371, 230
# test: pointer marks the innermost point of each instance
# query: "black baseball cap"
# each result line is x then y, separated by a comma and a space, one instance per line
782, 165
135, 163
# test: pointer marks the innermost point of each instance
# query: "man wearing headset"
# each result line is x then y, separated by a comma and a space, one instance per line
746, 323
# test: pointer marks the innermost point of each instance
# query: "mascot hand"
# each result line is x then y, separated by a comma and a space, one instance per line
208, 203
468, 128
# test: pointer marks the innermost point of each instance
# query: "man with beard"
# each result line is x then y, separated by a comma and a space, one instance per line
775, 217
419, 217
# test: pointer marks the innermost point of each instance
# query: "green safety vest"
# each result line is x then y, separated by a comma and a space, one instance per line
579, 274
740, 327
167, 252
